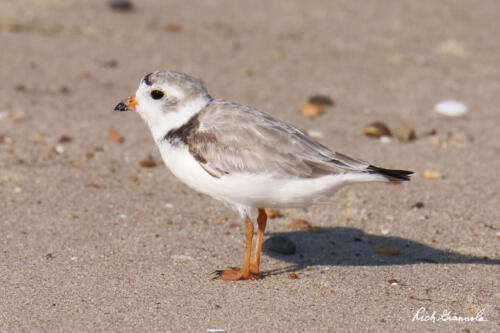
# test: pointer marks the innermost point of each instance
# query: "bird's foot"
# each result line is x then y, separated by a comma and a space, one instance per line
236, 274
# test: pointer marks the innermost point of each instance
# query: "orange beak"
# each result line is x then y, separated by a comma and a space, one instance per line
128, 105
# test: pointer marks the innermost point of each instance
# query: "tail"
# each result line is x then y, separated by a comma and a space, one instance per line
390, 174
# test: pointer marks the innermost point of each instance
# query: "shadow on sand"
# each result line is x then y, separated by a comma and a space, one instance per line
339, 246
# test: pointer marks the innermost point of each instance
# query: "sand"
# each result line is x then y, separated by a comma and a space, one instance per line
91, 241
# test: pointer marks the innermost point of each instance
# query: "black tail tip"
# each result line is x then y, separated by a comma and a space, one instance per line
391, 174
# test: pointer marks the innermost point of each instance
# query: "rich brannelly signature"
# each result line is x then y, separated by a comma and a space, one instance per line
425, 315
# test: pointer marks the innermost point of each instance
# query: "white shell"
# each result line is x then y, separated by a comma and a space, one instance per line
451, 108
317, 134
385, 139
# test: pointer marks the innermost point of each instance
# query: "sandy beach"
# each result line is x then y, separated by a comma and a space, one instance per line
96, 235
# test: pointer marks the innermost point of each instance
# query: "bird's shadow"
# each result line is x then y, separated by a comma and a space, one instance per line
340, 246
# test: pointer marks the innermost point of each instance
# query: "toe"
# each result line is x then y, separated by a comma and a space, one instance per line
235, 275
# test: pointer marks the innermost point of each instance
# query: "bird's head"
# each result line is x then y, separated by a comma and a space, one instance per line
166, 100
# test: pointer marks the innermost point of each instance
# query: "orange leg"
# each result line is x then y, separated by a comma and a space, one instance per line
261, 221
244, 273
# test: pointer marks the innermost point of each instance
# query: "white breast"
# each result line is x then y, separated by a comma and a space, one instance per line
185, 167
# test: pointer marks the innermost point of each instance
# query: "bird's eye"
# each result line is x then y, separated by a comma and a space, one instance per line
157, 94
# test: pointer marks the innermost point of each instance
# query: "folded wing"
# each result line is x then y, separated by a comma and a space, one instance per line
233, 138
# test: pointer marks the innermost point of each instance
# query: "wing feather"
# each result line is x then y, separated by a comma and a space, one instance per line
233, 138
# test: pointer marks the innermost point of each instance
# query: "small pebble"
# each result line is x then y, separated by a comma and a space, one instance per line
312, 110
172, 27
387, 250
112, 63
17, 190
432, 132
377, 129
451, 108
418, 205
121, 5
279, 244
114, 136
65, 139
431, 174
404, 132
321, 100
64, 89
272, 213
21, 87
148, 163
300, 225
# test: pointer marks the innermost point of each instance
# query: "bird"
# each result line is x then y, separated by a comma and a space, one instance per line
243, 157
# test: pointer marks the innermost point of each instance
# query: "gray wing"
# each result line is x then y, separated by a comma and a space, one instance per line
234, 138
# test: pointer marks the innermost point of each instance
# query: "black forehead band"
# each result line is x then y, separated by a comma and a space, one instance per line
147, 79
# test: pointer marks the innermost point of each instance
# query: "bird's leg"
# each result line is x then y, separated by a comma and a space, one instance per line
249, 236
261, 221
243, 273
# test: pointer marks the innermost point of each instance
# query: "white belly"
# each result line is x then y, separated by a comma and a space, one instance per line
245, 191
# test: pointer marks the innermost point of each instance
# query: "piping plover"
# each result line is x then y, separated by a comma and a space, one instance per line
242, 156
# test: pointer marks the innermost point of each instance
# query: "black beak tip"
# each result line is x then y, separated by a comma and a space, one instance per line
121, 107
